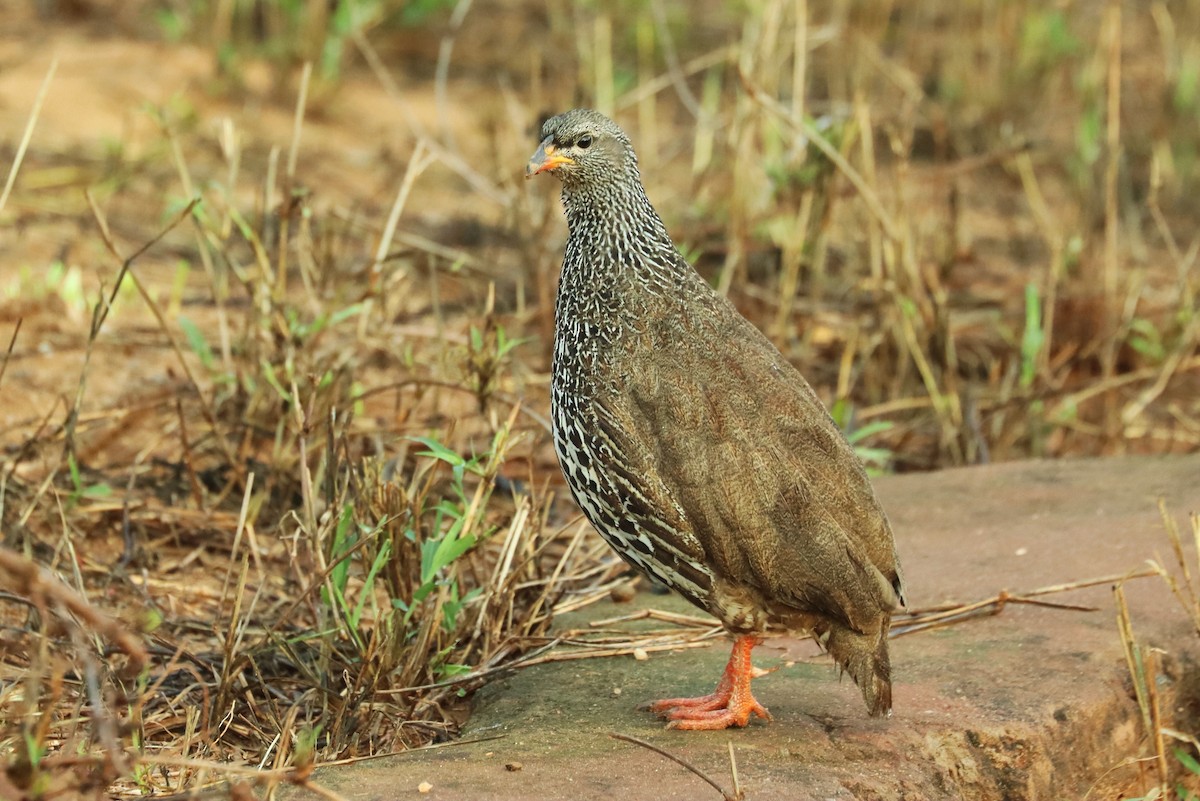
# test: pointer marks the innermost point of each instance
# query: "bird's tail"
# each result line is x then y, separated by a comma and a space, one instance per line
865, 658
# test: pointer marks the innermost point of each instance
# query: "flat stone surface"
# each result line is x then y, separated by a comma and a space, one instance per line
1031, 703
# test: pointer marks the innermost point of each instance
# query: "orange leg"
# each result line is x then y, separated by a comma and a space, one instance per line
731, 704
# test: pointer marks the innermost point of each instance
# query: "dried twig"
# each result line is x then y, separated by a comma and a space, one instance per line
657, 614
34, 113
726, 795
1143, 669
36, 582
738, 793
951, 613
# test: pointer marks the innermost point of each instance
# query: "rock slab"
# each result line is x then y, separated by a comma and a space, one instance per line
1030, 703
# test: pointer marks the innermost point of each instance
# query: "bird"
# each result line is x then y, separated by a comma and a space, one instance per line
695, 449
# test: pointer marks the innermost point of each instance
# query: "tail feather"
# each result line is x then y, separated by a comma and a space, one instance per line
865, 657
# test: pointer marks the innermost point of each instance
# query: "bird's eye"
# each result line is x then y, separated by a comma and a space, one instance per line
584, 142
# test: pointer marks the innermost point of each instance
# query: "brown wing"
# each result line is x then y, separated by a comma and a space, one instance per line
762, 476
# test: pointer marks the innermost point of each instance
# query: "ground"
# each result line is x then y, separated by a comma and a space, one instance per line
295, 465
1021, 702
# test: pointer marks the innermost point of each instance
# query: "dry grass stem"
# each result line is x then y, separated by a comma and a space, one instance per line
914, 620
44, 590
629, 738
27, 134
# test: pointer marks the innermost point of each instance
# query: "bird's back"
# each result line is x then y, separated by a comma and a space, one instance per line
733, 450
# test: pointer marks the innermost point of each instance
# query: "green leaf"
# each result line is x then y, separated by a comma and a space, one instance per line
381, 559
1188, 761
869, 430
33, 750
503, 344
345, 314
100, 490
448, 508
197, 342
1046, 40
437, 554
454, 606
1034, 336
1089, 136
268, 372
342, 542
438, 451
879, 456
450, 549
840, 412
450, 670
1146, 339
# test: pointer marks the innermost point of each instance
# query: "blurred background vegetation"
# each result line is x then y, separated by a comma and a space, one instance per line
300, 438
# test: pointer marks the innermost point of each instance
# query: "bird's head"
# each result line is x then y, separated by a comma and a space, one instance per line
583, 147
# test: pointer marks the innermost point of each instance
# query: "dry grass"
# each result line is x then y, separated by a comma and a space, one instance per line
324, 508
1169, 766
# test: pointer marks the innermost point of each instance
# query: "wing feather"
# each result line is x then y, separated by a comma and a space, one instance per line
752, 469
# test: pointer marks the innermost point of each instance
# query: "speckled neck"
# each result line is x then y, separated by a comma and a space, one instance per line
618, 250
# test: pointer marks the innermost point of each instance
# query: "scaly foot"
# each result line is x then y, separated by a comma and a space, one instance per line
731, 704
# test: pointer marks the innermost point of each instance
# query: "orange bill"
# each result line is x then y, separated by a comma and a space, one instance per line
546, 158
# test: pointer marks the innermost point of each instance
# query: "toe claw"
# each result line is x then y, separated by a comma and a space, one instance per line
732, 704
